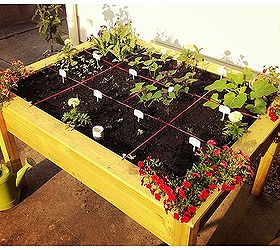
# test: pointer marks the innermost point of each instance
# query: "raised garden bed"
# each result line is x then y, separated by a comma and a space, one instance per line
100, 166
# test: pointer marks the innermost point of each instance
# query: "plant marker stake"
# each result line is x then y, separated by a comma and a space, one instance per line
132, 72
195, 142
97, 58
170, 89
225, 110
139, 114
97, 94
63, 74
222, 71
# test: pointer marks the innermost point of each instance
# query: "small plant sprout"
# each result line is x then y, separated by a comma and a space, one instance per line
235, 128
74, 118
140, 132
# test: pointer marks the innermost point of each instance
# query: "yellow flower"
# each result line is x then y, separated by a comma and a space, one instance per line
235, 116
73, 102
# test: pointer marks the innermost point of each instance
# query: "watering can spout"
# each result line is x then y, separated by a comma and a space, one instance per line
29, 163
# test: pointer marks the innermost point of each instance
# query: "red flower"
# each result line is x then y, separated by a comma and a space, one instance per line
171, 196
196, 175
157, 196
226, 147
160, 182
182, 193
149, 186
212, 186
141, 171
208, 173
152, 191
176, 216
140, 164
155, 178
272, 115
217, 151
237, 179
192, 209
214, 168
148, 158
224, 164
185, 219
186, 184
224, 186
231, 187
212, 143
204, 194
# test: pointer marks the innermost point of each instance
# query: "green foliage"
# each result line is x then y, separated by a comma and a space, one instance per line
74, 118
190, 56
49, 23
68, 52
235, 130
242, 89
120, 41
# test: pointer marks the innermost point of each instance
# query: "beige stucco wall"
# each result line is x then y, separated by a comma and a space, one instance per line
239, 33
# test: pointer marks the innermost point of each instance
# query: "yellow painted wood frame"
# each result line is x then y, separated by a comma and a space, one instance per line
105, 172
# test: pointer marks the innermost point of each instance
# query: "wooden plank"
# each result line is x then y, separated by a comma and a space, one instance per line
264, 167
8, 146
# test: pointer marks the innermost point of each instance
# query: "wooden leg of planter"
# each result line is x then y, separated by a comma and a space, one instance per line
264, 166
8, 147
184, 235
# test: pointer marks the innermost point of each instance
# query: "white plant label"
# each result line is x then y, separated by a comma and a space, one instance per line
62, 72
132, 72
139, 114
97, 94
222, 71
195, 142
97, 58
170, 89
225, 110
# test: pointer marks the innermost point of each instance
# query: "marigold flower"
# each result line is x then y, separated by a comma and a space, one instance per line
214, 168
171, 196
237, 179
182, 193
208, 173
155, 178
224, 186
74, 102
235, 116
217, 151
230, 188
224, 164
196, 175
149, 186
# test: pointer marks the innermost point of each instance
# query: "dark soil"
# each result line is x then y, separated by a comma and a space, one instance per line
123, 132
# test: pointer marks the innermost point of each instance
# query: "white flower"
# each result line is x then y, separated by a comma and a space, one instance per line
68, 41
73, 102
235, 116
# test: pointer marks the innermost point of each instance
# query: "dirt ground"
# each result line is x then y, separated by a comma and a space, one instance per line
56, 209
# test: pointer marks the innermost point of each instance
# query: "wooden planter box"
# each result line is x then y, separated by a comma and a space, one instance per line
105, 172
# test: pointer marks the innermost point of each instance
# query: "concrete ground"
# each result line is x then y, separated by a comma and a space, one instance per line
56, 209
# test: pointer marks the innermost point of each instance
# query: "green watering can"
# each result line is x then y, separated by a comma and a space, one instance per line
9, 184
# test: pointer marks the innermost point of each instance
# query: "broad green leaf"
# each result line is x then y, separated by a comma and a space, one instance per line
137, 88
219, 85
235, 101
148, 62
213, 105
160, 77
259, 107
177, 87
248, 74
151, 87
261, 88
157, 95
236, 78
172, 95
186, 89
